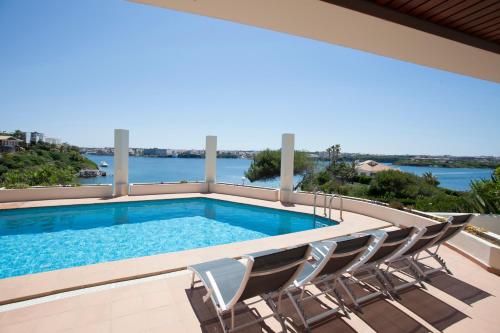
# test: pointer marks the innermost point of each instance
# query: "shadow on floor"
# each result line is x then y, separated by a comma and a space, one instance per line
207, 316
381, 315
314, 307
209, 322
429, 308
456, 288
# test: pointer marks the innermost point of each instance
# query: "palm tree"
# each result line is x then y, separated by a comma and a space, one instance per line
336, 153
329, 150
430, 179
485, 195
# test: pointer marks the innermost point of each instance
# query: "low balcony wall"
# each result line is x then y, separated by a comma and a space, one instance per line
483, 252
397, 217
489, 222
167, 188
263, 193
56, 192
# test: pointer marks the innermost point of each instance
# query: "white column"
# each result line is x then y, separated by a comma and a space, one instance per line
210, 159
121, 162
286, 175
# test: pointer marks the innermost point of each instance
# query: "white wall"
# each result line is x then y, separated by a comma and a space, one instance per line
168, 188
262, 193
55, 192
485, 252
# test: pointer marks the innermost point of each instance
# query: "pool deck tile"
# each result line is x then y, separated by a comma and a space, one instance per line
47, 283
165, 305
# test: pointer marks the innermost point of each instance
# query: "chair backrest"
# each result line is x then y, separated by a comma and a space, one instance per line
271, 272
456, 224
393, 242
346, 252
428, 236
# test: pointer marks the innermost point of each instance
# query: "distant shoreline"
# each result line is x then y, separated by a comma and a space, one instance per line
451, 165
461, 164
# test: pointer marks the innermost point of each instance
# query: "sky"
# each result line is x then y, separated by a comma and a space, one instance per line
76, 70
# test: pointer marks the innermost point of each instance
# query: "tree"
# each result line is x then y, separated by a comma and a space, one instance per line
267, 165
329, 150
430, 179
334, 153
485, 194
19, 135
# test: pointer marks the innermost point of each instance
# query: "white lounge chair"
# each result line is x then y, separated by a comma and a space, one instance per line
266, 274
333, 258
451, 228
385, 245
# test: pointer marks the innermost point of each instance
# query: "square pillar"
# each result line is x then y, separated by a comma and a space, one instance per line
286, 174
121, 162
210, 159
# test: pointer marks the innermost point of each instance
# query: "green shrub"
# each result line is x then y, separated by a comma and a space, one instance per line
42, 164
362, 179
43, 176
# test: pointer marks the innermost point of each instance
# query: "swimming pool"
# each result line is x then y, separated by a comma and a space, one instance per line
42, 239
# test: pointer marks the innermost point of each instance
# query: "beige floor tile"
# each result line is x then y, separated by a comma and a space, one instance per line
125, 306
136, 322
157, 299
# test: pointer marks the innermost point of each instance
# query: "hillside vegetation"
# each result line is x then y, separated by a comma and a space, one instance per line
42, 164
398, 189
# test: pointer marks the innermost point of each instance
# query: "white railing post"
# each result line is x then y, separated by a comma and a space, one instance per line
210, 160
286, 175
121, 162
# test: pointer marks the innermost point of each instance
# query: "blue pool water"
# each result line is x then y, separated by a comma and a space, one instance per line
43, 239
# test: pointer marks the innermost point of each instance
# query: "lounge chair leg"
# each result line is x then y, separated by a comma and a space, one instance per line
339, 299
232, 318
300, 312
276, 308
419, 271
220, 315
384, 284
350, 295
441, 261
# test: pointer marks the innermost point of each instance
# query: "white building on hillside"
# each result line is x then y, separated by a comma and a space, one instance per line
370, 167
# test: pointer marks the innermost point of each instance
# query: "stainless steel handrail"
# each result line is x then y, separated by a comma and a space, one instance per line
314, 203
341, 206
324, 202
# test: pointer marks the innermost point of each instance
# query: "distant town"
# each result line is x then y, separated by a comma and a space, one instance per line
170, 153
416, 160
14, 141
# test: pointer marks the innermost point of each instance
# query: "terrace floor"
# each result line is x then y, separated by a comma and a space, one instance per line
466, 301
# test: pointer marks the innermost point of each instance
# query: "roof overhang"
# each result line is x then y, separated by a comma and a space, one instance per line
335, 24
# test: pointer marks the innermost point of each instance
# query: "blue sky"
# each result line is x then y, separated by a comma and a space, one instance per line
78, 69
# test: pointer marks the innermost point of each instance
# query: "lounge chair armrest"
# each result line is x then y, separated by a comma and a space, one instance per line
222, 278
320, 249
